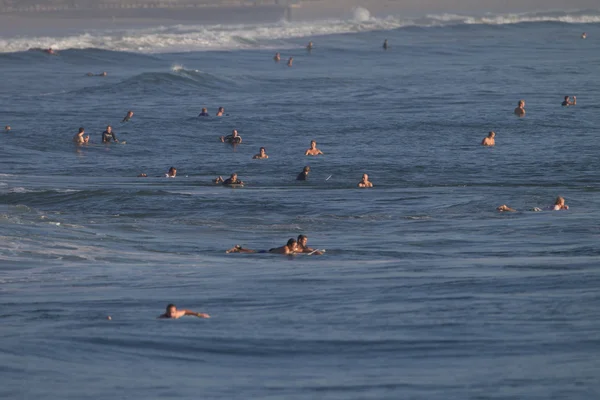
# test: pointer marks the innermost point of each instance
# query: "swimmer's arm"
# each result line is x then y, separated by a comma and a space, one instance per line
319, 152
574, 100
307, 152
195, 314
114, 137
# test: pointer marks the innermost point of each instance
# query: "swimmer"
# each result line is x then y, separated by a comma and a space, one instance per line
364, 182
290, 61
262, 155
313, 151
50, 51
7, 128
277, 57
128, 116
232, 180
142, 175
220, 112
520, 110
303, 248
174, 313
309, 46
489, 140
290, 248
79, 139
204, 113
567, 102
109, 135
504, 207
304, 174
234, 138
559, 204
172, 173
103, 74
584, 35
385, 44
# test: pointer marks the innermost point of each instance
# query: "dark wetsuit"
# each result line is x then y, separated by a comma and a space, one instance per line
204, 114
106, 137
229, 181
302, 176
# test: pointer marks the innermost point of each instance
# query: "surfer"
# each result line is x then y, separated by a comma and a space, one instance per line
290, 61
109, 135
364, 182
385, 44
309, 46
220, 112
79, 139
504, 207
559, 204
291, 247
232, 180
302, 247
7, 128
277, 57
204, 113
50, 51
100, 74
520, 110
262, 155
313, 151
567, 102
584, 35
142, 175
234, 138
304, 174
489, 140
172, 173
128, 116
174, 313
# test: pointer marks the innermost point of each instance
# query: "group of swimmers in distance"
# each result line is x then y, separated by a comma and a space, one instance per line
204, 112
107, 136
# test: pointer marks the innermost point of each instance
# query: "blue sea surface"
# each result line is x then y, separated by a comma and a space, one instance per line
425, 290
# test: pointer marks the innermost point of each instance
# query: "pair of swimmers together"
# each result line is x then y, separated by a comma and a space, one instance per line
559, 204
520, 110
292, 246
107, 136
204, 112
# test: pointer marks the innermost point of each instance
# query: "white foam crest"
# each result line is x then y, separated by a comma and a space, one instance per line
228, 37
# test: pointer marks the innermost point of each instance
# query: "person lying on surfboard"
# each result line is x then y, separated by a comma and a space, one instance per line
174, 313
232, 180
290, 248
303, 248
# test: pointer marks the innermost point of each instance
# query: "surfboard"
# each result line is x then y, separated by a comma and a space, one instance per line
314, 251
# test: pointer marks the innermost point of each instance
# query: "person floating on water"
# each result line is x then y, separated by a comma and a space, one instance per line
262, 155
290, 61
520, 110
7, 128
220, 112
234, 138
291, 247
277, 57
567, 102
128, 116
302, 246
304, 174
142, 175
79, 139
173, 313
489, 140
309, 46
109, 135
50, 51
100, 74
364, 182
232, 180
204, 113
313, 151
172, 173
385, 44
584, 35
559, 204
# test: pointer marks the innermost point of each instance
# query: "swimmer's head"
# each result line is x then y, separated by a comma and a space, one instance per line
204, 110
521, 103
103, 74
566, 98
559, 201
233, 176
302, 240
109, 129
262, 150
129, 113
7, 128
492, 134
313, 144
306, 169
171, 310
291, 244
172, 171
234, 132
81, 130
365, 177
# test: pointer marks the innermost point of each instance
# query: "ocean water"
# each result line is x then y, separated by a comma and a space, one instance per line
424, 292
